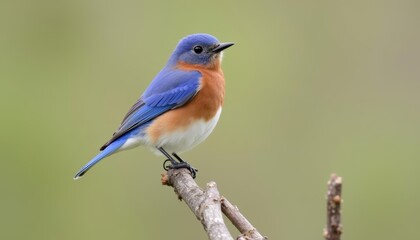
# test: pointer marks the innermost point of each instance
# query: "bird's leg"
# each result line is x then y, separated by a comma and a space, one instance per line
173, 161
175, 164
177, 157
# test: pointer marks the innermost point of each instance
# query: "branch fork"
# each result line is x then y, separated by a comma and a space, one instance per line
208, 206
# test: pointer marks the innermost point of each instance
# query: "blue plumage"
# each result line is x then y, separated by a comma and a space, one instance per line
112, 148
183, 50
172, 86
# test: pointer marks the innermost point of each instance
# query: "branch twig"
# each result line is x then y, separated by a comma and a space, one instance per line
207, 206
240, 222
334, 228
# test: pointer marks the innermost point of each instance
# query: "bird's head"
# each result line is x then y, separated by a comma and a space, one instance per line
199, 49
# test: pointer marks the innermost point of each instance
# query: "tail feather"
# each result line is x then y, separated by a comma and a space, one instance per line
110, 149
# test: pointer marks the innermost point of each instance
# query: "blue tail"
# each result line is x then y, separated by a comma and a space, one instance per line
110, 149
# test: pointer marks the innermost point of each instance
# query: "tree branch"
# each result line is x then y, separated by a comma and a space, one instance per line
240, 222
334, 228
207, 206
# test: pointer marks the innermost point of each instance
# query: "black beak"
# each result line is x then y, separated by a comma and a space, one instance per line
222, 46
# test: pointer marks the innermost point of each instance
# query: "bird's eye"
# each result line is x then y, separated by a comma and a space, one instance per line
198, 49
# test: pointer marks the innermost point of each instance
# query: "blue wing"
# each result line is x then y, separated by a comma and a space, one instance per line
170, 89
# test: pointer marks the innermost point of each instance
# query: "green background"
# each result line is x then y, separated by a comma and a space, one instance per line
313, 87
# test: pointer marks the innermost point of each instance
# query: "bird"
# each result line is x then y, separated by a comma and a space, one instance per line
180, 107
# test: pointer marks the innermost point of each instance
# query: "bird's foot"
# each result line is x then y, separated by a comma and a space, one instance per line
175, 164
179, 165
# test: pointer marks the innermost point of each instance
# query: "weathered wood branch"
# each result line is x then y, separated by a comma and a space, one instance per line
334, 228
208, 205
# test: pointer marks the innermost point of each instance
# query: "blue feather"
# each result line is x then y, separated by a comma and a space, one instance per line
105, 153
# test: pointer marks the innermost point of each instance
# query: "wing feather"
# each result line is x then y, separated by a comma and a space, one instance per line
170, 89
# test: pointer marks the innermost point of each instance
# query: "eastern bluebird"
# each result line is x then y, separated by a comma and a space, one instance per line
180, 107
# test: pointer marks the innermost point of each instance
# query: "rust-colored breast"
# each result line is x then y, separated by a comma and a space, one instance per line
203, 106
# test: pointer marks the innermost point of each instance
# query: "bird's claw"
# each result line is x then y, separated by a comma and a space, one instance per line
165, 166
179, 165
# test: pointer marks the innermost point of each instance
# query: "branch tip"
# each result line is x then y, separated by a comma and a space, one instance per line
334, 228
164, 179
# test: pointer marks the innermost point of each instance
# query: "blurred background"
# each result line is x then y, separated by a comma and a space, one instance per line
313, 87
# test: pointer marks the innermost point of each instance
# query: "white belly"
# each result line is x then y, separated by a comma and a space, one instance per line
187, 138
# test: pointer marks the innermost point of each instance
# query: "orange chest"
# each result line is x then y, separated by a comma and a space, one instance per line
211, 95
212, 87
